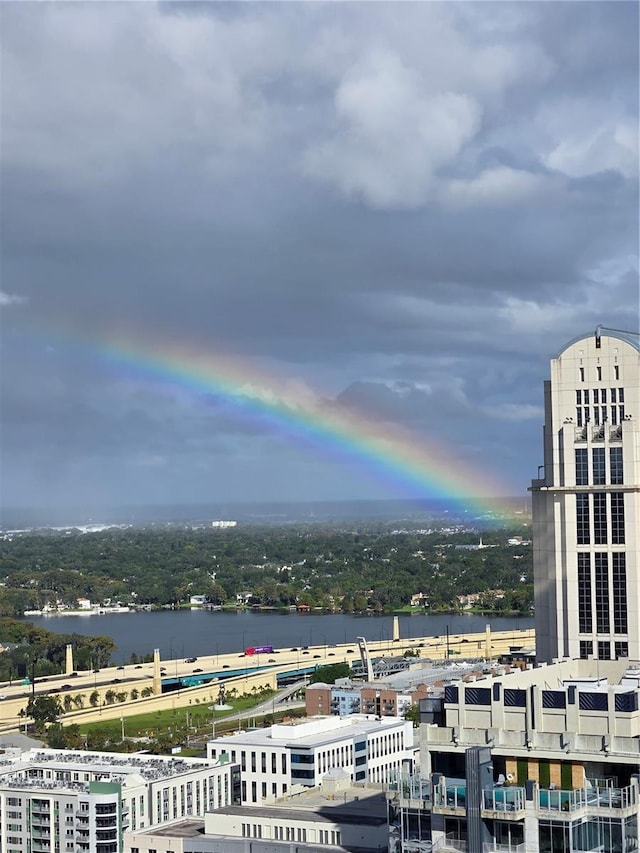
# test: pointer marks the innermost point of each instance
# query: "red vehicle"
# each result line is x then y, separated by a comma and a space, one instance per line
259, 650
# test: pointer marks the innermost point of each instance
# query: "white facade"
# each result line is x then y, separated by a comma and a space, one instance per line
274, 760
586, 507
54, 800
336, 820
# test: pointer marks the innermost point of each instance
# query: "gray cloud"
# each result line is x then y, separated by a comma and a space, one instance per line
406, 213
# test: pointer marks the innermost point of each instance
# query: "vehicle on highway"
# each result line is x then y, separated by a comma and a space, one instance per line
258, 650
197, 670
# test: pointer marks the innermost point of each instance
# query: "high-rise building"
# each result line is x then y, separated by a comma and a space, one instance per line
586, 505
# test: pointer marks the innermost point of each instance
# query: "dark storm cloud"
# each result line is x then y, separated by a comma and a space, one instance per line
408, 209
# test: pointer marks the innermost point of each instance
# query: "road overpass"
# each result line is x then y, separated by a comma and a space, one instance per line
185, 679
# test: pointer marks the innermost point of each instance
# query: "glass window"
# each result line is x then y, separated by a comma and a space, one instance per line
586, 649
603, 395
578, 398
621, 395
615, 466
599, 473
619, 570
603, 625
582, 522
617, 518
582, 467
585, 607
600, 518
621, 650
595, 395
604, 650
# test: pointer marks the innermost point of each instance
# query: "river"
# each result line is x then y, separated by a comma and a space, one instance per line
191, 633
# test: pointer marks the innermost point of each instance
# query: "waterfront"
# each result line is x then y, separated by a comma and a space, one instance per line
191, 633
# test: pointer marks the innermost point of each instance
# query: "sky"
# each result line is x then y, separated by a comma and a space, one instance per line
394, 213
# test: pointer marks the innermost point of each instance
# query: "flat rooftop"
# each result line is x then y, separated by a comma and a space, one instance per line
29, 768
596, 675
313, 731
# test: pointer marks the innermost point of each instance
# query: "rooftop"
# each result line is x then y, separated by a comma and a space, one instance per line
312, 731
28, 768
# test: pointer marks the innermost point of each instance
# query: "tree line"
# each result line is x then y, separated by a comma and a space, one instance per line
348, 570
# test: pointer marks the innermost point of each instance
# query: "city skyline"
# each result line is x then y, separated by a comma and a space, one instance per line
379, 221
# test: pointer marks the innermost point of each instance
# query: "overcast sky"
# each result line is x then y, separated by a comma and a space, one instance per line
404, 210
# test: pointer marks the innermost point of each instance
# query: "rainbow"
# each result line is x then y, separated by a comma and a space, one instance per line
431, 470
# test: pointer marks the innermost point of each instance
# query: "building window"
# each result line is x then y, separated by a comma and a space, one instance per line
578, 398
582, 521
243, 760
617, 518
582, 467
616, 371
615, 466
263, 762
620, 625
600, 518
604, 651
254, 792
582, 374
586, 649
622, 650
253, 762
621, 395
586, 398
603, 625
599, 473
585, 607
603, 395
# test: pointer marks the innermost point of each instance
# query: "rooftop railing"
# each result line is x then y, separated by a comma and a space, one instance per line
592, 797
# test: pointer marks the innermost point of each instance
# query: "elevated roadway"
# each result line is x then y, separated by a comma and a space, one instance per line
185, 675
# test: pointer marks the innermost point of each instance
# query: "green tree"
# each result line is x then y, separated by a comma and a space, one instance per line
413, 715
43, 710
329, 673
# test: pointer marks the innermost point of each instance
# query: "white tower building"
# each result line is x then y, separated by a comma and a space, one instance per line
586, 506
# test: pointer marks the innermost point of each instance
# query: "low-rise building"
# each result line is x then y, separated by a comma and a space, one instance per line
301, 752
71, 802
332, 817
346, 697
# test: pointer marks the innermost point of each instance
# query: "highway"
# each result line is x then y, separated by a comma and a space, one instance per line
209, 669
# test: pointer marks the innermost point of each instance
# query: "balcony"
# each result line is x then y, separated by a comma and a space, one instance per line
494, 847
592, 799
509, 802
450, 797
410, 787
450, 844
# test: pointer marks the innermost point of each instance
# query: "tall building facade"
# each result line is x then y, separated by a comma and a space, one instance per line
586, 505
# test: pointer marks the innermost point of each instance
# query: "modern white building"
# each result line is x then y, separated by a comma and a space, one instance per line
54, 801
299, 753
586, 505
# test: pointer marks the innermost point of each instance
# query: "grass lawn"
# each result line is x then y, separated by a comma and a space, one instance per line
197, 717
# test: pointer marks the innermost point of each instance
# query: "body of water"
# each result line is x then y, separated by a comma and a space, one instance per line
191, 633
